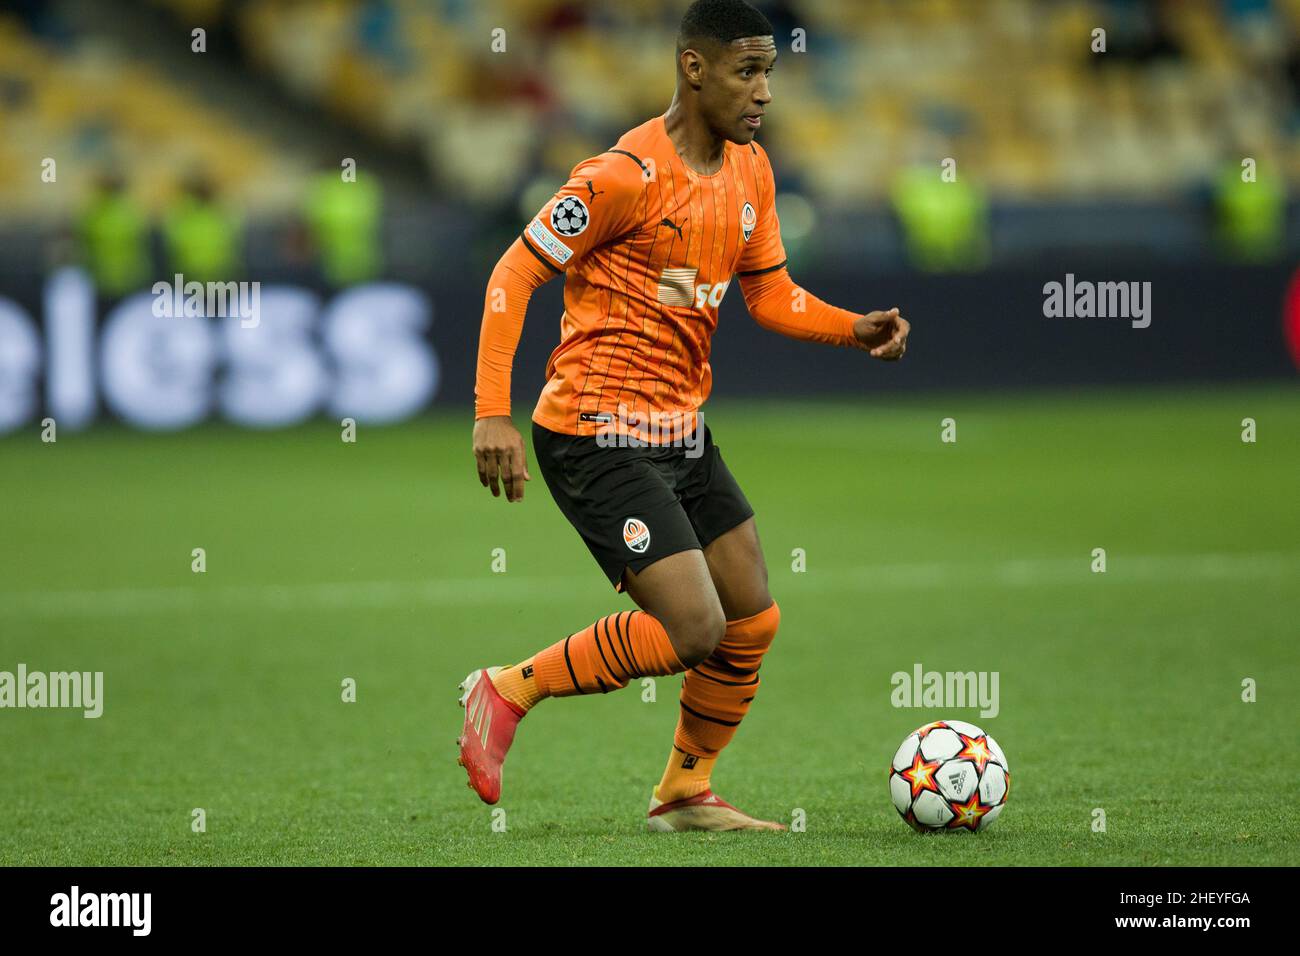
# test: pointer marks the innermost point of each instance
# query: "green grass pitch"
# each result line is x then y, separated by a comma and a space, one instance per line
373, 561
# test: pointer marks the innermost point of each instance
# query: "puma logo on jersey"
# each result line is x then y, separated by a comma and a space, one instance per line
671, 225
592, 189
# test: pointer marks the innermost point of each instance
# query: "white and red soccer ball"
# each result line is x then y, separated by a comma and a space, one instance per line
949, 775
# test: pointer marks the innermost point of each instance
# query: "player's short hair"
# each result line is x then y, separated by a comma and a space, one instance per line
721, 21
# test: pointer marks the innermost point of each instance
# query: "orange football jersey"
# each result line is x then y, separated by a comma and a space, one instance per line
649, 248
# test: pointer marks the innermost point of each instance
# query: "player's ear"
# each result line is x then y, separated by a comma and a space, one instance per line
691, 65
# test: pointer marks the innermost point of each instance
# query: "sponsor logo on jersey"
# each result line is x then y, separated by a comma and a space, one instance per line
569, 216
548, 243
636, 535
677, 287
711, 294
748, 220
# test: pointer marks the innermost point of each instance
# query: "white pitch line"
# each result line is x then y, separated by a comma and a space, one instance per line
508, 588
1037, 571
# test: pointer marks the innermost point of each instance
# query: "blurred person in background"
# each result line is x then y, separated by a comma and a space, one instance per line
1140, 31
343, 218
943, 216
1249, 209
202, 238
113, 232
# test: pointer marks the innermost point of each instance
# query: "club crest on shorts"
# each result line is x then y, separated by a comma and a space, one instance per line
748, 220
636, 535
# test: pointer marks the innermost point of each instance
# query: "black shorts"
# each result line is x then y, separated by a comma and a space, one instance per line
632, 505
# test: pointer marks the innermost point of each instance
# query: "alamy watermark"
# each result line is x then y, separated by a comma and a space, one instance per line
77, 690
929, 689
632, 429
1098, 300
211, 299
129, 910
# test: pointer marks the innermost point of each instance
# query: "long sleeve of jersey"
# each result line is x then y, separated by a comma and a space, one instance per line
517, 274
777, 303
540, 254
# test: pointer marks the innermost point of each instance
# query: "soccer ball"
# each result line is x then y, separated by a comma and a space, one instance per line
949, 775
569, 216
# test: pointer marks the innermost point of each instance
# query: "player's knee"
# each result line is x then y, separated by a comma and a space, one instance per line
714, 629
699, 635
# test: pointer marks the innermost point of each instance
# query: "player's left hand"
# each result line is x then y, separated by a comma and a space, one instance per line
883, 334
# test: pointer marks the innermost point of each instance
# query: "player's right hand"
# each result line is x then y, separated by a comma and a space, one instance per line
499, 452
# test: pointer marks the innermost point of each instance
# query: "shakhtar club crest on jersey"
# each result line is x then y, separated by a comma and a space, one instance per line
636, 535
748, 219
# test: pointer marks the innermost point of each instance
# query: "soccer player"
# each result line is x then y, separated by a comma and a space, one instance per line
649, 235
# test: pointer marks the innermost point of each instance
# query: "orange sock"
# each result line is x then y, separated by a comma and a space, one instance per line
598, 659
716, 695
518, 684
